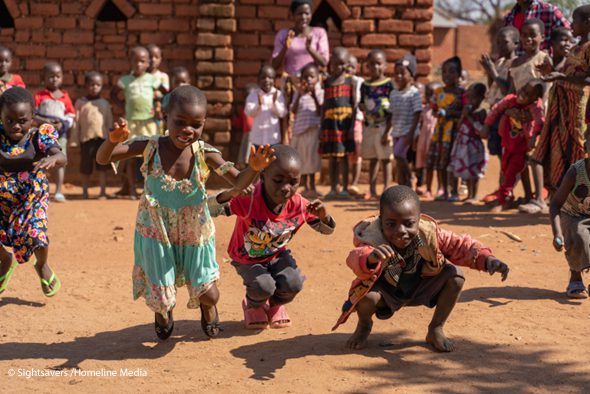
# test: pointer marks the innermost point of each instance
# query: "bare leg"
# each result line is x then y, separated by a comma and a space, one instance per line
373, 168
386, 166
5, 262
334, 174
454, 183
42, 268
356, 171
208, 300
403, 172
429, 178
575, 276
304, 182
102, 179
365, 310
539, 182
344, 172
446, 302
85, 182
526, 183
312, 182
59, 179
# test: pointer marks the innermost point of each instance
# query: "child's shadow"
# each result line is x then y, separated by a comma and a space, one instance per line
493, 295
17, 301
137, 342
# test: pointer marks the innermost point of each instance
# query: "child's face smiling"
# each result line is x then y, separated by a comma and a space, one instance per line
17, 120
5, 62
310, 76
155, 58
94, 86
266, 79
302, 17
450, 75
376, 64
506, 43
185, 123
352, 65
402, 76
563, 44
531, 38
281, 180
338, 64
140, 62
399, 223
53, 78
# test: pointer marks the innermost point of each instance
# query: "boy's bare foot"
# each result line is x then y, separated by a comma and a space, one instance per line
437, 339
358, 340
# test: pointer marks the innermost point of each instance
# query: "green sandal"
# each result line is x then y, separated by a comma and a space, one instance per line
6, 277
47, 283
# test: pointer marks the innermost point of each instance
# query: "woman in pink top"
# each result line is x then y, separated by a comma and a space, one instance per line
303, 44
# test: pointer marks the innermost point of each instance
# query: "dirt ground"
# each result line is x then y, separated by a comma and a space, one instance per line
519, 336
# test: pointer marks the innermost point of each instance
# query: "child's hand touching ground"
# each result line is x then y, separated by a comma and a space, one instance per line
558, 242
261, 158
380, 255
120, 131
494, 265
317, 208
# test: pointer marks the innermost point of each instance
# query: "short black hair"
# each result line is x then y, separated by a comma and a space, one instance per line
186, 94
513, 32
583, 11
535, 22
149, 47
479, 88
309, 66
92, 74
539, 86
285, 154
266, 67
50, 66
455, 60
5, 49
341, 51
556, 34
177, 70
295, 4
138, 48
375, 52
397, 195
17, 95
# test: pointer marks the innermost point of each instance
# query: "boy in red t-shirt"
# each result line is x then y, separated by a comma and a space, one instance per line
7, 79
266, 222
54, 106
521, 121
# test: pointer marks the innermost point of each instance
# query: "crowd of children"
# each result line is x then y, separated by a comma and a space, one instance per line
401, 257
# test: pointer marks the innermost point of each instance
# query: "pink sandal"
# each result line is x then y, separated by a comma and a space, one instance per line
254, 318
278, 317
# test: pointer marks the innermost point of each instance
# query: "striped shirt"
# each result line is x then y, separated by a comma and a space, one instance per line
404, 105
307, 114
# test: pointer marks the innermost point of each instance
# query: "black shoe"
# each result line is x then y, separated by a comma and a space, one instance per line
211, 329
164, 332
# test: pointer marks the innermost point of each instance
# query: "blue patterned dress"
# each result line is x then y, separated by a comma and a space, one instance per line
24, 193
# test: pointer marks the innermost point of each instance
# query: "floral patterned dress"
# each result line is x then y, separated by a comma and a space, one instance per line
174, 234
24, 193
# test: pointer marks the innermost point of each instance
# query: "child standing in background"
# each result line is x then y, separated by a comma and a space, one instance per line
180, 77
139, 88
469, 158
427, 126
94, 119
406, 107
338, 117
154, 68
266, 105
54, 106
7, 79
356, 159
448, 106
377, 143
307, 113
241, 125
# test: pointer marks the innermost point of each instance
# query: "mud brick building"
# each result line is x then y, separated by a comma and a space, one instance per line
223, 42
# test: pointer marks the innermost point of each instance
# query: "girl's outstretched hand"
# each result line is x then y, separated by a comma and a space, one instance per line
120, 131
46, 163
317, 208
261, 158
494, 265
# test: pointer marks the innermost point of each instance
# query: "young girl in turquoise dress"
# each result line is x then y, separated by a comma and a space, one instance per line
26, 153
174, 234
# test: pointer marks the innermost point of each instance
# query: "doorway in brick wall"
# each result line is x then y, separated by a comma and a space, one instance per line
6, 20
327, 15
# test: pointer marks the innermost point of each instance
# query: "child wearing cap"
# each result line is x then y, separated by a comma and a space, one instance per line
405, 107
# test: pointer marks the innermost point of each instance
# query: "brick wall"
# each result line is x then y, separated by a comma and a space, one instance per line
467, 42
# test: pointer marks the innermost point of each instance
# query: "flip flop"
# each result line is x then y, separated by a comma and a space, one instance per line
576, 290
533, 207
53, 279
254, 318
278, 317
4, 279
211, 329
164, 332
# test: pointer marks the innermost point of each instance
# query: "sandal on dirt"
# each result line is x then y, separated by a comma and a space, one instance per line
254, 318
4, 279
278, 317
46, 284
533, 207
211, 329
164, 332
576, 290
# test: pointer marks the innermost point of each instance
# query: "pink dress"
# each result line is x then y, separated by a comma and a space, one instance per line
427, 125
297, 55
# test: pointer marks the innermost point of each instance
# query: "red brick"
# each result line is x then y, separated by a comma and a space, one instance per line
247, 68
394, 54
224, 54
81, 37
340, 8
254, 24
254, 1
424, 69
35, 64
415, 40
378, 12
267, 40
86, 23
226, 25
13, 8
186, 39
204, 82
79, 65
362, 2
356, 12
205, 24
180, 53
28, 23
359, 53
187, 10
358, 25
221, 137
45, 36
114, 65
45, 9
219, 109
22, 36
29, 50
423, 55
378, 40
24, 8
283, 24
244, 11
397, 2
245, 39
215, 124
223, 82
63, 52
125, 7
428, 3
217, 10
418, 14
219, 96
176, 24
396, 26
424, 27
155, 9
215, 40
273, 12
159, 38
349, 40
86, 51
142, 24
61, 22
71, 8
114, 39
217, 68
261, 54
